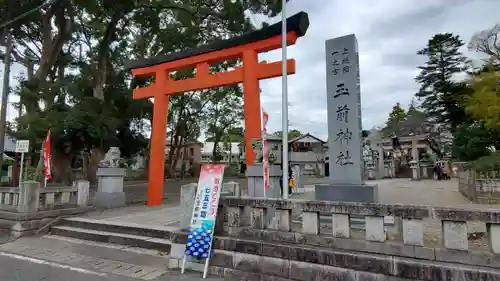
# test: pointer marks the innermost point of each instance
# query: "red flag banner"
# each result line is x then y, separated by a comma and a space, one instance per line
265, 157
46, 157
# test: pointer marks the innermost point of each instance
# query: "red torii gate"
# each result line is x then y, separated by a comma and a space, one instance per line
247, 46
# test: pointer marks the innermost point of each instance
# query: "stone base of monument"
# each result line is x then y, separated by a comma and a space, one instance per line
256, 188
110, 188
255, 178
346, 192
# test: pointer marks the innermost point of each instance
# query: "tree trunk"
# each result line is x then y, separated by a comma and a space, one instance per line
85, 163
103, 55
61, 167
145, 163
183, 164
96, 155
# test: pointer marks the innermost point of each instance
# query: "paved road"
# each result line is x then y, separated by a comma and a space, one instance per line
54, 258
19, 268
15, 269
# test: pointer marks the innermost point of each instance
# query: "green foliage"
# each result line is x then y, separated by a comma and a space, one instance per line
222, 115
484, 104
292, 134
472, 141
79, 48
486, 163
396, 117
442, 96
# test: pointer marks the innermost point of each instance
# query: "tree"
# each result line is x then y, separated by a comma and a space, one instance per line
293, 133
223, 113
80, 89
442, 97
487, 42
472, 141
396, 116
484, 104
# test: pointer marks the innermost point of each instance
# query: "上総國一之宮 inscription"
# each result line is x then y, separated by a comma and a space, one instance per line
344, 116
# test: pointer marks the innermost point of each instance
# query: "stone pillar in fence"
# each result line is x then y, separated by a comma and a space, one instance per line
370, 169
82, 192
424, 166
29, 197
387, 169
380, 160
231, 188
188, 195
415, 170
255, 177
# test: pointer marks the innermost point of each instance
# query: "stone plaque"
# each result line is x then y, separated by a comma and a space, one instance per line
344, 110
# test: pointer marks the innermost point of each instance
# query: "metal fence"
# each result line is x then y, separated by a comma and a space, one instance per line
478, 187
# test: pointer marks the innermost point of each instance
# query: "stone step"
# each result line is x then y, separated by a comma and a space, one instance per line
131, 240
118, 227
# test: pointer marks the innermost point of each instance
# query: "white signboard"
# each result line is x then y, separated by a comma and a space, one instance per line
22, 146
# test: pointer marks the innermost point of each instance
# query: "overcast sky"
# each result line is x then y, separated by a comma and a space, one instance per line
389, 32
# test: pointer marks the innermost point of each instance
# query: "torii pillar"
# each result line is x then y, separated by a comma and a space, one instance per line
246, 47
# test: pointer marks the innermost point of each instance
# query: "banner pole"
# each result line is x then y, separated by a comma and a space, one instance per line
183, 263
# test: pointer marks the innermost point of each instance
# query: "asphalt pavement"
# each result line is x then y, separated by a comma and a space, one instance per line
15, 269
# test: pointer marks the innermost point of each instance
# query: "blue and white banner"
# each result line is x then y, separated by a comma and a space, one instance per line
199, 242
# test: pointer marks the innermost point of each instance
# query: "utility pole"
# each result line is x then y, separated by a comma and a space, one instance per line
5, 93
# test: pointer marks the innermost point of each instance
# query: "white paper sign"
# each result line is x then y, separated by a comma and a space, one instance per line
22, 146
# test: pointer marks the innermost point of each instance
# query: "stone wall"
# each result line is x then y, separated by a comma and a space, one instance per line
26, 209
303, 245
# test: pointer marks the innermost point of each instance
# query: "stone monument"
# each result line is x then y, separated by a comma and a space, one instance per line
255, 175
344, 125
110, 181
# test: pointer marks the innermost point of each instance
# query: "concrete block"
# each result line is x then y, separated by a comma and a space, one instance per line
29, 197
494, 237
256, 181
232, 188
110, 180
455, 235
177, 250
188, 195
15, 198
234, 216
65, 197
50, 199
375, 229
109, 199
346, 193
274, 266
246, 262
174, 263
310, 222
340, 226
306, 271
258, 218
413, 232
7, 199
82, 192
110, 188
285, 220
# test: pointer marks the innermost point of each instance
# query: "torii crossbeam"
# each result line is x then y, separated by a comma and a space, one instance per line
247, 47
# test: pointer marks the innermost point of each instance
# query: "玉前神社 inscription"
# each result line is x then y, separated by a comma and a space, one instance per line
344, 116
